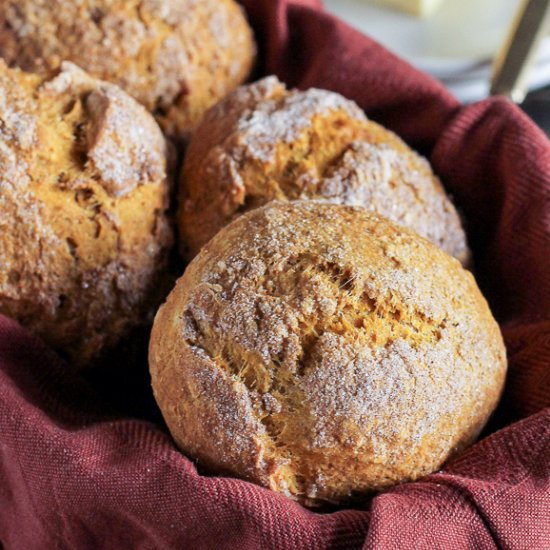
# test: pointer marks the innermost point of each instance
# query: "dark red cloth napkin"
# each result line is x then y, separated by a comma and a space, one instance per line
81, 467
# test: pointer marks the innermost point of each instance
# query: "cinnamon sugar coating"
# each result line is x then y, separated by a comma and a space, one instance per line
176, 58
264, 142
324, 352
83, 200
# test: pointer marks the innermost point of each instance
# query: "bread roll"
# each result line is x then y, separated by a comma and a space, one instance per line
176, 58
264, 142
324, 352
83, 201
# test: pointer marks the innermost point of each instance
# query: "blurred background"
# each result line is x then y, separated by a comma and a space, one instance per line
456, 41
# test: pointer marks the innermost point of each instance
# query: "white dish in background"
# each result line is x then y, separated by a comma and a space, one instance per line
457, 44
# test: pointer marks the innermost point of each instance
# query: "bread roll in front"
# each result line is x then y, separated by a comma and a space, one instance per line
324, 352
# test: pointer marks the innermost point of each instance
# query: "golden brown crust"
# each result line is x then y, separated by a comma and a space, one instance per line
83, 201
176, 58
322, 351
265, 143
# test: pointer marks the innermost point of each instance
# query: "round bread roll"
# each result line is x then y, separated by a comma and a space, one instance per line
266, 143
83, 201
323, 352
176, 58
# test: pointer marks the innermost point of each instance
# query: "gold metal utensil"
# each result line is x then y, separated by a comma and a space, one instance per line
516, 58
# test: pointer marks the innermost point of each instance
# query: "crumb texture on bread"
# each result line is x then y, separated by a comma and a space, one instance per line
264, 142
83, 202
324, 352
176, 58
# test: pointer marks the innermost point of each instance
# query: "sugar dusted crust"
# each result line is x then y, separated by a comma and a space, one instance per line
125, 147
176, 58
264, 142
83, 200
323, 352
